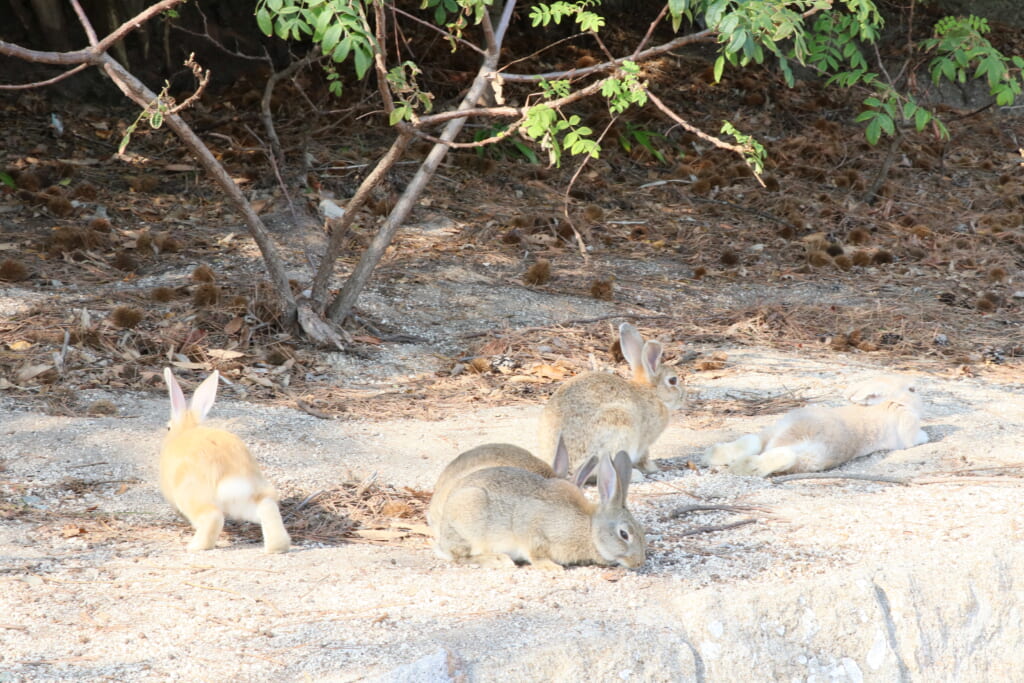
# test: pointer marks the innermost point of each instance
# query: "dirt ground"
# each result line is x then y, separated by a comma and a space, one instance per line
835, 579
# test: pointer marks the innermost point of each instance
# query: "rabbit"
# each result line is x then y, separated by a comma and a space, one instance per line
500, 455
598, 412
547, 522
817, 438
208, 474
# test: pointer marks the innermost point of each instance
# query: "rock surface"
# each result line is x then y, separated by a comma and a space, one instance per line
838, 580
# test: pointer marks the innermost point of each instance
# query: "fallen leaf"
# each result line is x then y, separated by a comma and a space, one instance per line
70, 530
31, 371
548, 371
526, 379
380, 534
20, 345
225, 354
121, 489
367, 339
234, 326
187, 365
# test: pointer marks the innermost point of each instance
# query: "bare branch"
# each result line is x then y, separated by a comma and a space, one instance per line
268, 91
739, 149
90, 32
50, 81
137, 91
446, 34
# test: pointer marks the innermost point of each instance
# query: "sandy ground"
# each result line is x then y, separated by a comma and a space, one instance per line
836, 580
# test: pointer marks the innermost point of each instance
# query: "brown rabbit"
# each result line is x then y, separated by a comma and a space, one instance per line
208, 474
499, 455
599, 413
547, 522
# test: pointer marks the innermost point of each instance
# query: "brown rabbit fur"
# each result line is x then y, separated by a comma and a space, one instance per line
598, 413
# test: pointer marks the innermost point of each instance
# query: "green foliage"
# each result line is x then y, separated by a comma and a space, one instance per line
638, 136
754, 152
8, 180
507, 149
625, 90
542, 14
557, 133
338, 26
153, 114
959, 44
402, 80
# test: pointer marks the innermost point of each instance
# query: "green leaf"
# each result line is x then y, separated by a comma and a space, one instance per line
7, 180
921, 118
264, 22
397, 114
719, 67
332, 36
363, 60
873, 131
156, 119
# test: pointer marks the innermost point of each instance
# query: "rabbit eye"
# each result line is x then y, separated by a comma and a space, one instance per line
912, 390
623, 534
672, 381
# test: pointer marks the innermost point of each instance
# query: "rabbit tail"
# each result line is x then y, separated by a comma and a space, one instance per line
253, 501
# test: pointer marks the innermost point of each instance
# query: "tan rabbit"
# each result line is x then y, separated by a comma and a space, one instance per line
208, 474
817, 438
499, 455
598, 413
547, 522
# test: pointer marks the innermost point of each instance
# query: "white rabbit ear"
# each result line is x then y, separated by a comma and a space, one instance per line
624, 472
652, 358
607, 481
584, 472
203, 399
561, 462
178, 405
631, 344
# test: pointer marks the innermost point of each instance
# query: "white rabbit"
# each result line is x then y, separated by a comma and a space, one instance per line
208, 474
547, 522
598, 412
817, 438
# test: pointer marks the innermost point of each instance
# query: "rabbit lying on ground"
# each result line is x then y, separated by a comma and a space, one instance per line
208, 474
817, 438
547, 522
500, 455
598, 413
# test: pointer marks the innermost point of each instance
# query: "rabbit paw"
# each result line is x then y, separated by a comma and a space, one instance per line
547, 565
730, 453
774, 460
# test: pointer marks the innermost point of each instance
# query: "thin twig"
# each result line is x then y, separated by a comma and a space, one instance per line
686, 509
835, 475
717, 527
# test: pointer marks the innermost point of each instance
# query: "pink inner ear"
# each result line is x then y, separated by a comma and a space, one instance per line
178, 405
652, 357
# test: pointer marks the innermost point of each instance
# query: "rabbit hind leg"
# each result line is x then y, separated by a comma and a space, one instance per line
275, 536
208, 523
735, 451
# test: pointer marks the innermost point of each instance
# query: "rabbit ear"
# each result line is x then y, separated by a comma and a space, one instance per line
561, 462
178, 406
631, 344
624, 472
584, 472
203, 399
607, 481
652, 358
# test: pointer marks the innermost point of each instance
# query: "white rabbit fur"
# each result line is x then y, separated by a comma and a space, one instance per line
548, 522
208, 474
818, 438
598, 413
